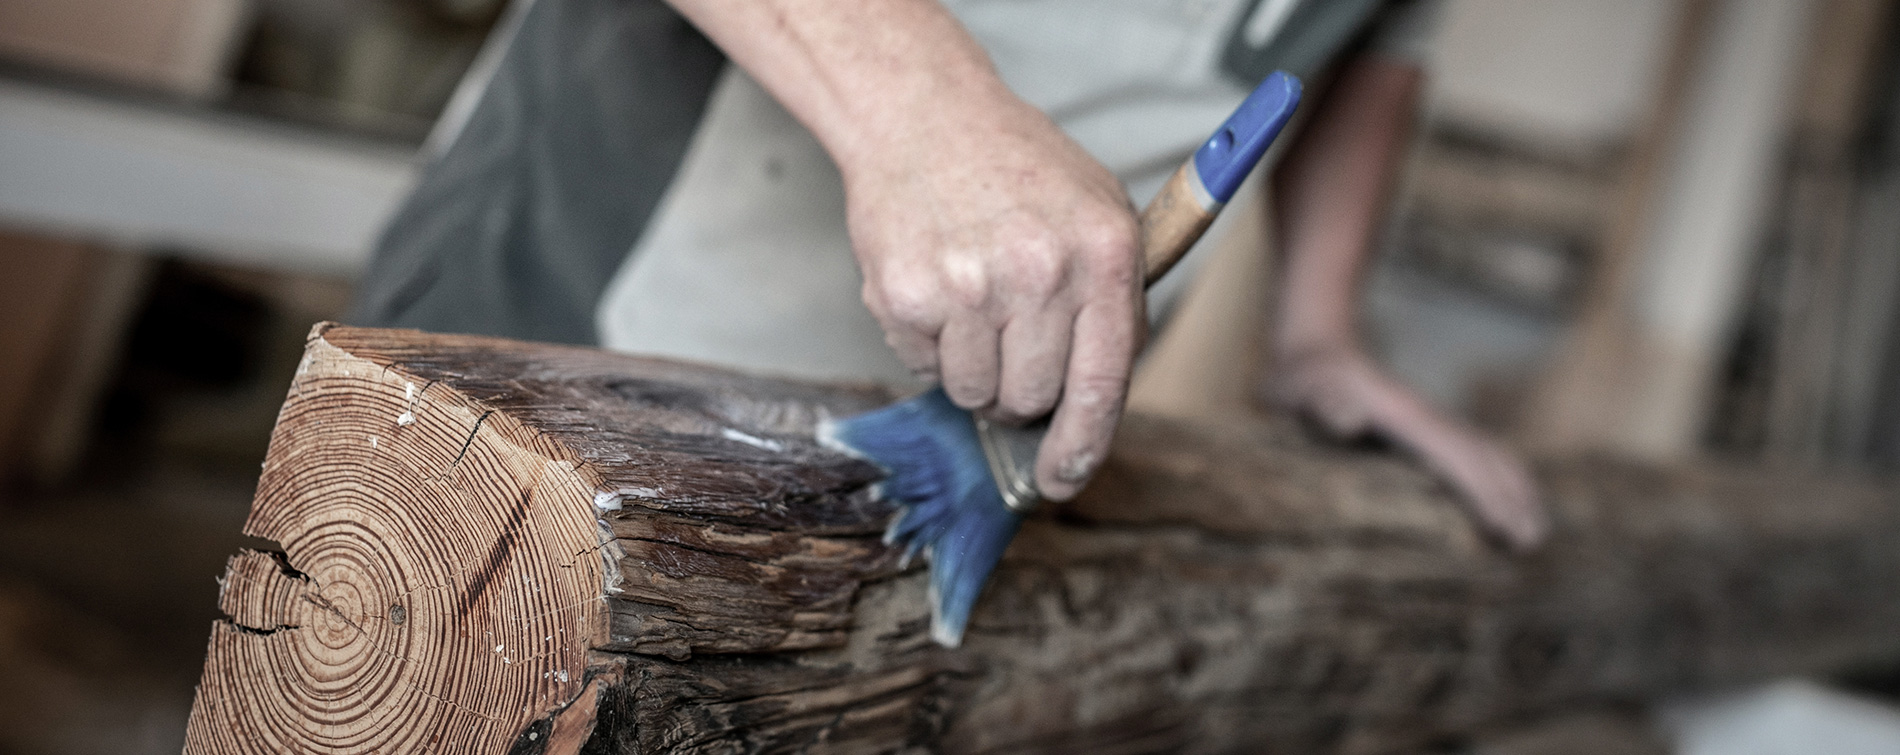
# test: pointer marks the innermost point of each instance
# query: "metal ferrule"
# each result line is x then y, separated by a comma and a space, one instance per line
1011, 453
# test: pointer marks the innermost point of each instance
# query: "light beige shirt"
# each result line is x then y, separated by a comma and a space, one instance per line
747, 262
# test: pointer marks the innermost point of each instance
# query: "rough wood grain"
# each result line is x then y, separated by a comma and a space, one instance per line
496, 547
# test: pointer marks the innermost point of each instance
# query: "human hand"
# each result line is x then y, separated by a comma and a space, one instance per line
1339, 387
1004, 261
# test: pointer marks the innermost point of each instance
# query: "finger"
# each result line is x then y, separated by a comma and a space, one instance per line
1035, 359
967, 357
1514, 511
917, 350
910, 330
1092, 396
1490, 479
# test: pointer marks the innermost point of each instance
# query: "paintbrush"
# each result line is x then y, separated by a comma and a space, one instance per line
963, 483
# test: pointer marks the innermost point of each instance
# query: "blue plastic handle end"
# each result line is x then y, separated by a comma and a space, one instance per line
1227, 157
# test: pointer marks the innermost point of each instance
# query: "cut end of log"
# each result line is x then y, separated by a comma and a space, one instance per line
439, 586
497, 547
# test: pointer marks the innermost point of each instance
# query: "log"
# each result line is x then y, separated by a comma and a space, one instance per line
484, 546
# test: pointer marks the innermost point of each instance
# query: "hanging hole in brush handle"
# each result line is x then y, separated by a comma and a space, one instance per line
1194, 195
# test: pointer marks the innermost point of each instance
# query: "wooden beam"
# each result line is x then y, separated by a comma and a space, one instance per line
1580, 400
490, 546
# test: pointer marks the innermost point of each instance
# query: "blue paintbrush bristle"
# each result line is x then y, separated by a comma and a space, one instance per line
951, 510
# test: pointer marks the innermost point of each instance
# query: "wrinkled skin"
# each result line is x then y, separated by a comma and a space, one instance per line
1003, 260
999, 257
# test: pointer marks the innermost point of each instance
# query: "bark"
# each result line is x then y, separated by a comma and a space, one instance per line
490, 546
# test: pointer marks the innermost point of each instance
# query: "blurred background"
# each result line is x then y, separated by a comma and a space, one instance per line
1667, 229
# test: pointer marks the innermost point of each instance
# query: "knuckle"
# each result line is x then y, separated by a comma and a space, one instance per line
1106, 224
1120, 269
1113, 232
1040, 268
901, 302
1114, 258
967, 279
1096, 395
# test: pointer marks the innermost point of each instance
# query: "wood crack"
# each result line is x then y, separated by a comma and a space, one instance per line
498, 554
469, 440
1227, 588
260, 631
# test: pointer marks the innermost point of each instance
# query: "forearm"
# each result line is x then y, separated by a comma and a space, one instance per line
865, 76
1000, 258
1331, 195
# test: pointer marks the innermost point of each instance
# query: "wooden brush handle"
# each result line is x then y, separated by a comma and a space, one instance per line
1170, 225
1197, 191
1172, 222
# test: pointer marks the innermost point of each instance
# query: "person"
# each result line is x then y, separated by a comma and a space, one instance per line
948, 179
